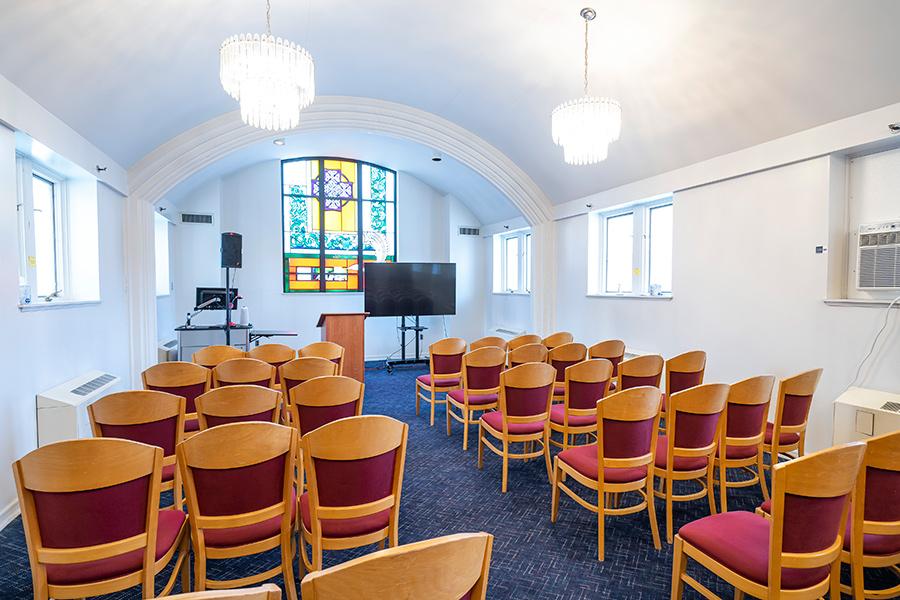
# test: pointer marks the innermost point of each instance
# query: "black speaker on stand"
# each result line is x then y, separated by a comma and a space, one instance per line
232, 244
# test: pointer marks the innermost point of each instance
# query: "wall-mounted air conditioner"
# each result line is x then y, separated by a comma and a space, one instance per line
878, 256
62, 411
507, 333
861, 413
167, 351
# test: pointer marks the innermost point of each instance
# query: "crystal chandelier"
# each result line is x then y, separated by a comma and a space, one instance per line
585, 126
273, 79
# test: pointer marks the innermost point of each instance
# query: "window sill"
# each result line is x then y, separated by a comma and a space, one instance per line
511, 293
860, 302
630, 296
56, 304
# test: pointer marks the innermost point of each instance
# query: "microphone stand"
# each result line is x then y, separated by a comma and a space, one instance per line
227, 306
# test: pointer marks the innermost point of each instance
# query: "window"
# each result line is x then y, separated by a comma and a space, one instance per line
161, 245
42, 233
337, 214
512, 262
635, 246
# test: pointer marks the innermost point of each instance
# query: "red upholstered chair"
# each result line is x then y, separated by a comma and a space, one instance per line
184, 379
527, 354
267, 591
327, 350
354, 470
238, 404
627, 425
297, 371
481, 370
797, 553
243, 371
524, 416
585, 383
745, 425
688, 449
444, 372
611, 350
453, 566
148, 417
561, 358
90, 510
521, 340
557, 339
682, 372
322, 400
640, 370
239, 483
211, 356
491, 340
794, 399
274, 354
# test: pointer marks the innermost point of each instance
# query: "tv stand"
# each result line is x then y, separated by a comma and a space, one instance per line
417, 330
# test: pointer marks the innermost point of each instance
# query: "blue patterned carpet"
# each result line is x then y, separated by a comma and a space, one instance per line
444, 493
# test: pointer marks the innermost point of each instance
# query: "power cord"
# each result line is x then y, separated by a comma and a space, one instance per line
887, 316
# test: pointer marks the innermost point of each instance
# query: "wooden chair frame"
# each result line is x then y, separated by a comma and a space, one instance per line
267, 591
566, 352
103, 462
439, 568
238, 401
529, 375
274, 354
444, 347
521, 340
231, 446
611, 350
706, 399
351, 438
693, 361
527, 353
211, 356
825, 474
178, 374
486, 356
488, 341
303, 369
803, 384
558, 339
882, 452
327, 350
635, 404
589, 371
645, 365
136, 407
754, 391
239, 371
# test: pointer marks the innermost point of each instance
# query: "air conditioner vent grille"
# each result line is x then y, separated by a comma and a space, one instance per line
94, 384
469, 231
196, 218
891, 406
878, 265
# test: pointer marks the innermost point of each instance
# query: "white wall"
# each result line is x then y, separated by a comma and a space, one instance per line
508, 311
43, 348
248, 202
748, 289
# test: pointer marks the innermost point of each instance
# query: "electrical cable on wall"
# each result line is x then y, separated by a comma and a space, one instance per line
887, 316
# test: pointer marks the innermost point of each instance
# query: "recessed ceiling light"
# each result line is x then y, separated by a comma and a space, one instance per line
278, 141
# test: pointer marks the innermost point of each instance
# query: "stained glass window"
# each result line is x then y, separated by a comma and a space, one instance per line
337, 214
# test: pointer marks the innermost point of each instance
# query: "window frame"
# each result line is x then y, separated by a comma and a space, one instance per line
640, 286
159, 218
523, 262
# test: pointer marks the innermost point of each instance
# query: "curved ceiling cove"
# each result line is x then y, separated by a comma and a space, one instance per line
193, 150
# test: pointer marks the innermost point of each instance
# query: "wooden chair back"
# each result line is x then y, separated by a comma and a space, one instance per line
793, 402
639, 371
238, 404
746, 411
302, 369
876, 505
481, 370
564, 356
243, 371
685, 371
528, 353
274, 354
611, 350
445, 358
322, 400
211, 356
185, 379
558, 339
521, 340
810, 497
694, 423
327, 350
119, 480
587, 382
526, 392
628, 426
444, 568
491, 340
268, 591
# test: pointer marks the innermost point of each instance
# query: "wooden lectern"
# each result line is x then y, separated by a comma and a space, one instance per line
347, 330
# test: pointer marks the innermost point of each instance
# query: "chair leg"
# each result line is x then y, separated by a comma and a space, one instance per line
433, 401
723, 486
186, 565
738, 594
447, 415
480, 446
669, 492
857, 579
601, 518
466, 424
710, 490
505, 466
547, 455
651, 511
554, 492
287, 567
301, 554
317, 552
199, 569
761, 471
417, 398
679, 566
381, 544
835, 579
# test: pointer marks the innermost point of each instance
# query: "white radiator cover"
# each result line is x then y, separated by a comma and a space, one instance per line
862, 413
62, 410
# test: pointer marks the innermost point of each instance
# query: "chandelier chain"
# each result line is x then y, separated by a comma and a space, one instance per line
268, 17
586, 23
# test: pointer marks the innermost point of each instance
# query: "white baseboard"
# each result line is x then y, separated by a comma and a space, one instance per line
8, 513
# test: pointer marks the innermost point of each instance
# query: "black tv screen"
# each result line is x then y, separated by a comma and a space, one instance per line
410, 289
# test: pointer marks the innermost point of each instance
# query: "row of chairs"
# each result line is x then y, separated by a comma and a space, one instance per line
273, 354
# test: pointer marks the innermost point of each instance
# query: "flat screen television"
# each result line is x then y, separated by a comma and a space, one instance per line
410, 289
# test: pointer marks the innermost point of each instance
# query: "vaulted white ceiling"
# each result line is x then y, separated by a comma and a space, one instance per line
696, 78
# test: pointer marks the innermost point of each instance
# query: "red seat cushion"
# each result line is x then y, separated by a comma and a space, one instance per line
342, 528
495, 420
740, 541
559, 390
246, 534
192, 425
584, 460
474, 399
558, 410
168, 473
738, 452
681, 463
170, 524
439, 381
784, 439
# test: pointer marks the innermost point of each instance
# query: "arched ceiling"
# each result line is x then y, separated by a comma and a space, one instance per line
696, 78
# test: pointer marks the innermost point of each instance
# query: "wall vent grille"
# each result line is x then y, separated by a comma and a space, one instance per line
891, 406
94, 384
469, 231
196, 218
